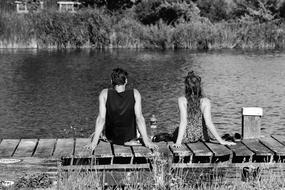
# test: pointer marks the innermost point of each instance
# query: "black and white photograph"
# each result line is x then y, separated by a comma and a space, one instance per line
142, 94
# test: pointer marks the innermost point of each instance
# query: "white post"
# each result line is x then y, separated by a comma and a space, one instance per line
251, 121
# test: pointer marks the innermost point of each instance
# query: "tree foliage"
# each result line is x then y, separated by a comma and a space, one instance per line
261, 10
215, 10
112, 5
33, 5
170, 12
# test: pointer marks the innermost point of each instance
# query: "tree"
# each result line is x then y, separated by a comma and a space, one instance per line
261, 10
170, 12
112, 5
281, 9
33, 5
215, 10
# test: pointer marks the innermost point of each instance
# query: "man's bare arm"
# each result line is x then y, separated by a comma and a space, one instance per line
141, 121
100, 121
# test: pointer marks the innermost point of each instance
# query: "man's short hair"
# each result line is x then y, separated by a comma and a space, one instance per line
119, 76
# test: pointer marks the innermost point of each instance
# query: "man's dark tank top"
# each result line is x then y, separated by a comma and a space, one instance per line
120, 116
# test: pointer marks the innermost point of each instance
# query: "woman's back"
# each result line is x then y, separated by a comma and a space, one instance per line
196, 128
195, 114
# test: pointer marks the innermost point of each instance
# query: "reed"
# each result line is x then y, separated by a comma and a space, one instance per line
178, 179
96, 28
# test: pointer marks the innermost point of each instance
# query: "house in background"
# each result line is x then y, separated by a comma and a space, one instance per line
21, 7
68, 6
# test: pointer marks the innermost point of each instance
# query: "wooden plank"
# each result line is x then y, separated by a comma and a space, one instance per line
45, 148
274, 145
218, 149
103, 150
199, 149
106, 167
240, 150
258, 149
142, 151
183, 151
64, 148
80, 151
122, 151
232, 165
8, 146
280, 138
26, 148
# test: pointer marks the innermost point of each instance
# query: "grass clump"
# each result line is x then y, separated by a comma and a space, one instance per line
34, 181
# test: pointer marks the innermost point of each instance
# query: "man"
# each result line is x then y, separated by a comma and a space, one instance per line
120, 112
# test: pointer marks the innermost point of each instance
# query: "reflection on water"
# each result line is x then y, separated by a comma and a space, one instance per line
55, 93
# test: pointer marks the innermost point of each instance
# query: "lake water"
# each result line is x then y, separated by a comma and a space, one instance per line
55, 93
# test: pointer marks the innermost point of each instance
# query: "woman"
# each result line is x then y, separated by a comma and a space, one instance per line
195, 115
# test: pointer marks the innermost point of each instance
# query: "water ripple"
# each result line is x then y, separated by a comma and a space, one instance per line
55, 93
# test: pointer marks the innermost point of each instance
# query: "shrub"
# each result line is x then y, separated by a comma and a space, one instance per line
158, 36
215, 10
169, 12
147, 11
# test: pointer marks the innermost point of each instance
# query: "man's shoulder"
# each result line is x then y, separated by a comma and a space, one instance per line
104, 93
136, 93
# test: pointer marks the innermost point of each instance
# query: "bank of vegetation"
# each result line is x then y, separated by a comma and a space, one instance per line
197, 24
177, 180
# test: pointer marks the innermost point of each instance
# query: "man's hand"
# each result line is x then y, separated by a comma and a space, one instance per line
91, 146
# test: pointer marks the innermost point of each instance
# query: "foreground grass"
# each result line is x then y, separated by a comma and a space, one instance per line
95, 28
174, 180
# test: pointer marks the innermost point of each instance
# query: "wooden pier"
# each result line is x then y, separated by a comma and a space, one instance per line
46, 155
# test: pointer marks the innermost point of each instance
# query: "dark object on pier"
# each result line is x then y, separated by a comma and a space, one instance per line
233, 138
237, 136
228, 137
162, 137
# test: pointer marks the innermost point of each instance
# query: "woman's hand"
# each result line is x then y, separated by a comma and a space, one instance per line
177, 145
223, 142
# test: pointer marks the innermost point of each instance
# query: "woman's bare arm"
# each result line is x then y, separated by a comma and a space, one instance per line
206, 110
182, 104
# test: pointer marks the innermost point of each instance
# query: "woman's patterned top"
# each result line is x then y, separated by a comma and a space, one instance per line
196, 128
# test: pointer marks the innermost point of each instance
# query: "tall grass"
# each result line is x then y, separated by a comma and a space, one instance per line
179, 179
163, 177
98, 29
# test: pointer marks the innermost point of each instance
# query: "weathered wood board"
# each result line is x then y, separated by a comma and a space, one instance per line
45, 148
80, 150
26, 148
273, 145
64, 148
8, 146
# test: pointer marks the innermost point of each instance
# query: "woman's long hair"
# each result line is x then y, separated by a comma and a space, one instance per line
193, 92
